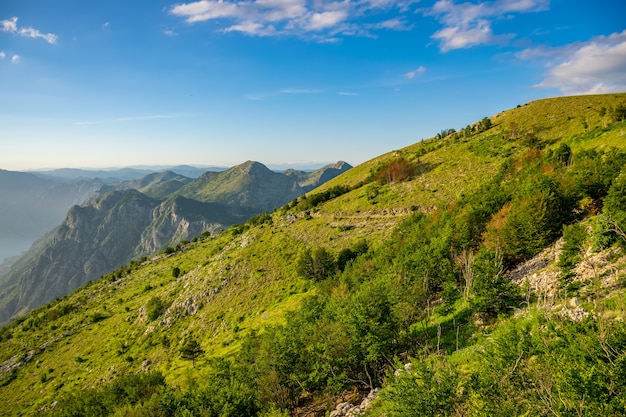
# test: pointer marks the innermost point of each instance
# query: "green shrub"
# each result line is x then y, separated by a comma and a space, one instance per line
574, 236
154, 308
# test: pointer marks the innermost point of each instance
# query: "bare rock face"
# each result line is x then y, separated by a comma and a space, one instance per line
347, 409
537, 273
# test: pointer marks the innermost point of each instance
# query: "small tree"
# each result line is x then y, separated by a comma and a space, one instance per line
484, 124
494, 293
615, 206
191, 350
154, 308
317, 265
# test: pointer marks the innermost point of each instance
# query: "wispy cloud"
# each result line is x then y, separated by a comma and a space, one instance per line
291, 91
470, 24
105, 25
2, 55
127, 119
10, 26
412, 74
347, 93
170, 32
320, 20
15, 59
593, 67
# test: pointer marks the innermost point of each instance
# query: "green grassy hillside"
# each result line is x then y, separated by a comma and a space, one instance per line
406, 258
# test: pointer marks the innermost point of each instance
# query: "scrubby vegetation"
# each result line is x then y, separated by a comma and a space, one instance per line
288, 314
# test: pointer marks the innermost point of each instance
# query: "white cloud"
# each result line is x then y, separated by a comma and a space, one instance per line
592, 67
347, 93
15, 59
252, 28
10, 25
319, 20
105, 25
325, 20
170, 32
411, 74
393, 24
469, 24
2, 55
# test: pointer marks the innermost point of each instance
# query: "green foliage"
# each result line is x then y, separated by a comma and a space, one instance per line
615, 206
316, 265
309, 201
594, 171
346, 255
428, 390
574, 237
494, 293
191, 350
484, 124
529, 366
154, 308
176, 272
562, 155
97, 316
602, 232
285, 344
262, 218
541, 206
130, 389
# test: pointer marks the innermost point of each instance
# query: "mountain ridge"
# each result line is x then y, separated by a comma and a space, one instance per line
390, 275
134, 219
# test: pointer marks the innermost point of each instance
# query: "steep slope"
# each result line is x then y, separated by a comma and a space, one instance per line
401, 257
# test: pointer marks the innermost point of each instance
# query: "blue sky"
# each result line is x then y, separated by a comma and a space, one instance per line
118, 83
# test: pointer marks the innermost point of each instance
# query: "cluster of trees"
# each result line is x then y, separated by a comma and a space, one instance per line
374, 305
483, 125
319, 263
309, 201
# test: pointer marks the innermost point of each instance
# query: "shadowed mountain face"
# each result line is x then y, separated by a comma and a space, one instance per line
138, 218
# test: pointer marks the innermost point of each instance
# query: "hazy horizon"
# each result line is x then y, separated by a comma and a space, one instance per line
214, 82
156, 167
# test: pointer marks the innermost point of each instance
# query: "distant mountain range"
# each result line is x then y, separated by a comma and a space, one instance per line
139, 217
111, 176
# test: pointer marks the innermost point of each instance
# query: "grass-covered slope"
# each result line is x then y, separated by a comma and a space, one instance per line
406, 258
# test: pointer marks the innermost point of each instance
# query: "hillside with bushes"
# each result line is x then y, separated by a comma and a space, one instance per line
477, 273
